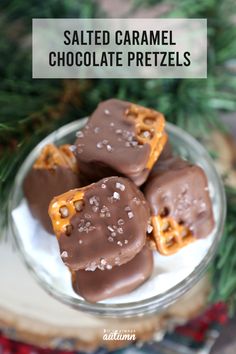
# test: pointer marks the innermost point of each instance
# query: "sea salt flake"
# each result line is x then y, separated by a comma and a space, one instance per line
149, 229
202, 206
134, 143
108, 267
119, 243
85, 226
99, 145
104, 209
103, 186
136, 200
94, 200
146, 134
72, 148
64, 254
110, 239
127, 208
96, 130
110, 228
103, 261
109, 148
79, 134
130, 215
116, 196
80, 242
90, 228
120, 186
105, 142
120, 222
126, 241
106, 111
91, 267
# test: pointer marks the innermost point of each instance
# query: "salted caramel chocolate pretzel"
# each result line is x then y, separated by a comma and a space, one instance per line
100, 225
120, 138
181, 208
54, 172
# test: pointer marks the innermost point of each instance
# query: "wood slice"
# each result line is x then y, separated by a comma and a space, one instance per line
29, 314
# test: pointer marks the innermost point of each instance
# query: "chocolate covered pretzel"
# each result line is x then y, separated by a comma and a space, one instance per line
181, 209
100, 225
118, 280
120, 138
54, 172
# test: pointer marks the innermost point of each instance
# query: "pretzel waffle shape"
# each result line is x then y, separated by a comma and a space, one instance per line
69, 157
168, 236
149, 125
63, 207
53, 156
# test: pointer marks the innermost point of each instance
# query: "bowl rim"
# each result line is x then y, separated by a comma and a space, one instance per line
153, 304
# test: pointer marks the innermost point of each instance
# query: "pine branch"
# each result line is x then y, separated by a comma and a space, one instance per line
203, 98
224, 266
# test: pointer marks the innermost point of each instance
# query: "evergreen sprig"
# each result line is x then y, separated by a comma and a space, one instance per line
223, 269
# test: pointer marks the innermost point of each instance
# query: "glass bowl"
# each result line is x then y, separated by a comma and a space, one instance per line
187, 147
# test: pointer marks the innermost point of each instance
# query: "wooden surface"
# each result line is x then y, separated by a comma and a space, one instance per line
28, 313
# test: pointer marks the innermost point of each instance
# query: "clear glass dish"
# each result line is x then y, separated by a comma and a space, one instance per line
187, 147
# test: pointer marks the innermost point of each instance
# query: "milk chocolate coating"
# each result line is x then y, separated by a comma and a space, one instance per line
180, 190
111, 227
42, 185
107, 147
100, 285
166, 153
165, 156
